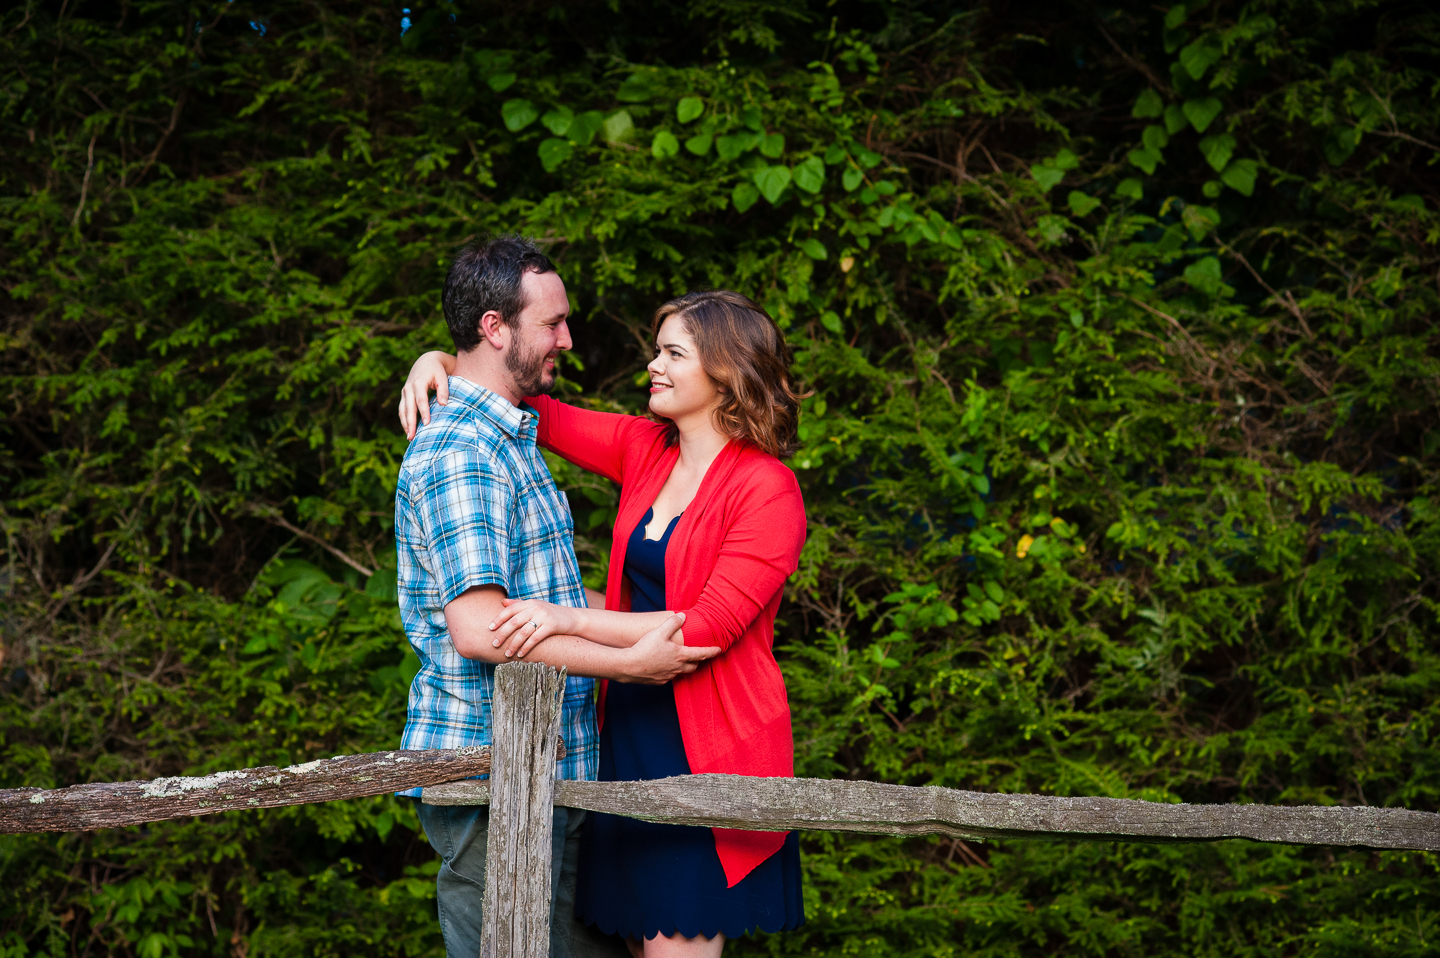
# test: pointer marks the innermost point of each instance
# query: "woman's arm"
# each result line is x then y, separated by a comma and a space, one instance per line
430, 372
761, 549
595, 441
512, 626
598, 442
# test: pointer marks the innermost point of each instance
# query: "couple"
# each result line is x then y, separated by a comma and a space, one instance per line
710, 526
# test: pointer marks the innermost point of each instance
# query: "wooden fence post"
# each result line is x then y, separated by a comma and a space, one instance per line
525, 726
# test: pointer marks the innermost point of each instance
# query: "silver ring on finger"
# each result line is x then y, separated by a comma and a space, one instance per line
533, 625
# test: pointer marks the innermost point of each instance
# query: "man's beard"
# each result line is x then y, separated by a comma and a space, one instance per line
527, 367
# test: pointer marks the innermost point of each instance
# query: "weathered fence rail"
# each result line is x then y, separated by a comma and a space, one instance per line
109, 805
523, 787
785, 804
725, 801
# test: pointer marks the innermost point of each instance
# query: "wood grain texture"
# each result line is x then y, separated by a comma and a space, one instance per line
467, 793
779, 804
82, 807
525, 722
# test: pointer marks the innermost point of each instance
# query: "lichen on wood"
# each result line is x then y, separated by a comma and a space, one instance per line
108, 805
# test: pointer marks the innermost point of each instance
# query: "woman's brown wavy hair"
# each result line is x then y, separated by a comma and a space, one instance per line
744, 354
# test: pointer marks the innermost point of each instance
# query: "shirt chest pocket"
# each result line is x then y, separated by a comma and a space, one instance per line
542, 514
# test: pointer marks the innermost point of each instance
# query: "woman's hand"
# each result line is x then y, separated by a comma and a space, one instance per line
430, 372
525, 622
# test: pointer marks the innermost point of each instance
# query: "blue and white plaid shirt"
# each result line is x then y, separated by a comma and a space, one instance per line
475, 505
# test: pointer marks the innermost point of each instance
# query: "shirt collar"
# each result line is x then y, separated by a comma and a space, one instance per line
518, 422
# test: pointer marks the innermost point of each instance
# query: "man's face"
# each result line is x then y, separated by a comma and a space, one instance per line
540, 333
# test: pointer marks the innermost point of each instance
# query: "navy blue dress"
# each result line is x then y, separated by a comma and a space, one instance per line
639, 879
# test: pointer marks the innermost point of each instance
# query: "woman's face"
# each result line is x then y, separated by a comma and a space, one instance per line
679, 385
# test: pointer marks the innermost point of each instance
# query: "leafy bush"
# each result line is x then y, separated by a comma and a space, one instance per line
1121, 462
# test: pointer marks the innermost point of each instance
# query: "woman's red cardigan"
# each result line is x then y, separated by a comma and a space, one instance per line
725, 568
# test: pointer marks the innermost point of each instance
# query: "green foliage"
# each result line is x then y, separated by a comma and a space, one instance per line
1120, 463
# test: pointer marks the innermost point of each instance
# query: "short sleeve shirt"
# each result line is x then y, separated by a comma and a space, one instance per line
475, 505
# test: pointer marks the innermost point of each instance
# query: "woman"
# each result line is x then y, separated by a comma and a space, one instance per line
710, 523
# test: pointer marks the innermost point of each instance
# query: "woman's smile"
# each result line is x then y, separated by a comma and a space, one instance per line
679, 385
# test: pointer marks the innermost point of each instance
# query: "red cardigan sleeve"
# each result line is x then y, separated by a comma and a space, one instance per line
599, 442
761, 549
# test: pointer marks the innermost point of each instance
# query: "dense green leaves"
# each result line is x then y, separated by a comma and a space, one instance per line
772, 181
1240, 175
689, 108
1218, 149
1120, 456
1148, 104
519, 114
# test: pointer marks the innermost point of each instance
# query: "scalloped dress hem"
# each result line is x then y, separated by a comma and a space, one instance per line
729, 933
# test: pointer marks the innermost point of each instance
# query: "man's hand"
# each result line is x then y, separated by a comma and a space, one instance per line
661, 655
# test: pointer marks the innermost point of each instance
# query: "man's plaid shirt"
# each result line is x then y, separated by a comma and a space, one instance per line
474, 506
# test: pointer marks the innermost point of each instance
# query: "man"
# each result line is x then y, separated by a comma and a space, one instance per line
478, 519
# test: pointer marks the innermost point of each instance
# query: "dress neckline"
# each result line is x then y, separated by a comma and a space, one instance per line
645, 524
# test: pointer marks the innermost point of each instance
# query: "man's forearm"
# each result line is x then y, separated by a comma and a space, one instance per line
658, 654
580, 657
573, 653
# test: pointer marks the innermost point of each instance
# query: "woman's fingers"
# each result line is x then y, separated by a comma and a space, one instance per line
412, 405
502, 625
511, 620
507, 630
407, 417
520, 630
532, 637
511, 608
427, 374
527, 636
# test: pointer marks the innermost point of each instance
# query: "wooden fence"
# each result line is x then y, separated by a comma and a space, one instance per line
522, 789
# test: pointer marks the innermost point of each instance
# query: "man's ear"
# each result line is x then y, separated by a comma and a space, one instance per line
493, 329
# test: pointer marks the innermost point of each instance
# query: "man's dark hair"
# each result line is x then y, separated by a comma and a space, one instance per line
488, 277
